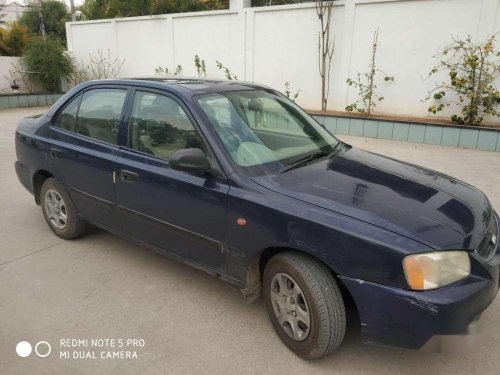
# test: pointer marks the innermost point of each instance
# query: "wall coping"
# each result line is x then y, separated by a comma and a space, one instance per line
30, 93
23, 100
438, 121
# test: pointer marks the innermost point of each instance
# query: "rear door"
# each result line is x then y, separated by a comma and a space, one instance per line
84, 150
181, 212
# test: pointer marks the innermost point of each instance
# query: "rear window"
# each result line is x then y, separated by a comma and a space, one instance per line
67, 117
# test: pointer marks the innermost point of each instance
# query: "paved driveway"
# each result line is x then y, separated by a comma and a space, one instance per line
101, 286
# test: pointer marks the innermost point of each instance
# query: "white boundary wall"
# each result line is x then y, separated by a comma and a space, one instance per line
6, 64
271, 45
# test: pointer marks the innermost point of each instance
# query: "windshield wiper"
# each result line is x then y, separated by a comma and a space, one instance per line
306, 159
298, 163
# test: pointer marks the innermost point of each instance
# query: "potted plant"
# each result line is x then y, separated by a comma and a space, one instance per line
14, 86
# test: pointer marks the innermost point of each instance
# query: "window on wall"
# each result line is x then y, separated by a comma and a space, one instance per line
159, 126
99, 114
67, 117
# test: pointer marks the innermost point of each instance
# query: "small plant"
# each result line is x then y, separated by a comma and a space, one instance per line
201, 67
368, 98
288, 92
472, 69
160, 71
48, 62
229, 75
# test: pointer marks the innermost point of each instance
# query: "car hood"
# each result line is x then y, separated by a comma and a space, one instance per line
424, 205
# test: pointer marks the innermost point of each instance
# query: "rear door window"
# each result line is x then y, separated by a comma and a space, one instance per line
99, 114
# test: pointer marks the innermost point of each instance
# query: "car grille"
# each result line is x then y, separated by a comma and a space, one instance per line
487, 247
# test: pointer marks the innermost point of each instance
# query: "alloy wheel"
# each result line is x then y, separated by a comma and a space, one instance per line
290, 306
56, 209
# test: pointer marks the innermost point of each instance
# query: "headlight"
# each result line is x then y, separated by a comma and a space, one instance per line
437, 269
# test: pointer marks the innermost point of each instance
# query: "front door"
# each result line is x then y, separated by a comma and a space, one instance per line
83, 151
180, 212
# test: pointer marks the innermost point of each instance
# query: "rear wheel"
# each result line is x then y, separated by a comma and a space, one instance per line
304, 304
59, 211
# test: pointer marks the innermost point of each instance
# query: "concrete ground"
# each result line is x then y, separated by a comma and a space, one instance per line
101, 286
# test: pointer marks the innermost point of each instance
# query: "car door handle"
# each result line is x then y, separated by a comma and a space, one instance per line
127, 176
55, 153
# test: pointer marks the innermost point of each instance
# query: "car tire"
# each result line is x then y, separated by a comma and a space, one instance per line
59, 211
296, 286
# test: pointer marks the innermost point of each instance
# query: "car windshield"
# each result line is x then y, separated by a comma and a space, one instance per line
265, 132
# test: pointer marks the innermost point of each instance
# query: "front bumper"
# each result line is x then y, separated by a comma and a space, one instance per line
409, 319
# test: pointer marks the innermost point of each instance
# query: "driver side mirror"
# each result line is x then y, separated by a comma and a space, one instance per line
189, 160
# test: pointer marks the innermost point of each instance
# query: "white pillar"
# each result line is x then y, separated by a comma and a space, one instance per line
239, 4
487, 20
249, 44
345, 57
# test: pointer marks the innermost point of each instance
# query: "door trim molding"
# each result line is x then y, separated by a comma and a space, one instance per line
93, 198
171, 227
240, 283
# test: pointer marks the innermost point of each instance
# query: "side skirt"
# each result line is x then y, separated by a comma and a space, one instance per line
235, 282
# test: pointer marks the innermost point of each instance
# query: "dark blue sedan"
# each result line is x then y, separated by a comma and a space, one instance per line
237, 180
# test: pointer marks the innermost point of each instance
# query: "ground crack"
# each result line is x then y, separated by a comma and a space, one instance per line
34, 252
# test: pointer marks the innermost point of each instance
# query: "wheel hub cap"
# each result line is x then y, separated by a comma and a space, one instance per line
56, 209
290, 306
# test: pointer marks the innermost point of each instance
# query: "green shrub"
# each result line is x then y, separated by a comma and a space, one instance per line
181, 6
472, 69
13, 39
98, 9
55, 14
47, 61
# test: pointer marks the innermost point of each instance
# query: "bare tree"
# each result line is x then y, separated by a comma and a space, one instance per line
326, 47
100, 66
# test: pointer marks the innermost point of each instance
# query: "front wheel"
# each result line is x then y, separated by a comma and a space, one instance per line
59, 211
304, 304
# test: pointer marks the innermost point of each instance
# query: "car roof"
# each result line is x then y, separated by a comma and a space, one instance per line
184, 85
